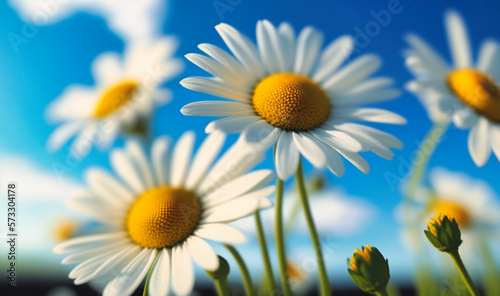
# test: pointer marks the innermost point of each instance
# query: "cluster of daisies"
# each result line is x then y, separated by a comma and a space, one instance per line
288, 91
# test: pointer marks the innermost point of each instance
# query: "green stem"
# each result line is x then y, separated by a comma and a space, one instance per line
146, 284
382, 293
427, 147
323, 277
265, 254
491, 276
292, 218
247, 280
221, 286
280, 240
463, 272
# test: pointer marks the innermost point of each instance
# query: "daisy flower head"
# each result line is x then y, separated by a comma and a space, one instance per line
465, 92
160, 209
127, 88
287, 91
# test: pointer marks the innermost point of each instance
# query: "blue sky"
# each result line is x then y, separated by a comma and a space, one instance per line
55, 56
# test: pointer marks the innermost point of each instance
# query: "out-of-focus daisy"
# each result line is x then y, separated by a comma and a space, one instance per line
464, 92
286, 90
471, 202
126, 92
160, 211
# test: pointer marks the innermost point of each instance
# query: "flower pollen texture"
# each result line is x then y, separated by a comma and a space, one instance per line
163, 217
291, 102
115, 98
478, 91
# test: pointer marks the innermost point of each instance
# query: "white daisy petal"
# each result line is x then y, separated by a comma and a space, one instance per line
160, 277
308, 46
287, 37
239, 186
107, 187
261, 132
386, 138
241, 47
353, 73
160, 156
86, 254
228, 61
181, 157
86, 242
458, 40
308, 147
433, 62
231, 125
125, 168
62, 134
465, 118
115, 264
369, 114
356, 160
76, 102
136, 153
233, 210
239, 158
202, 253
269, 47
221, 232
478, 142
217, 69
367, 97
333, 56
367, 141
338, 139
494, 136
217, 108
333, 160
107, 68
132, 275
489, 59
205, 156
182, 271
287, 156
215, 87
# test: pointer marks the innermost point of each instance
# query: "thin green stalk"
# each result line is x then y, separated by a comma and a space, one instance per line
265, 254
146, 284
419, 165
292, 218
323, 277
280, 240
247, 280
382, 293
491, 276
463, 272
221, 286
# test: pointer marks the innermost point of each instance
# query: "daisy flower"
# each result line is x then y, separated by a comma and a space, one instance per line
287, 91
160, 210
463, 92
127, 88
471, 202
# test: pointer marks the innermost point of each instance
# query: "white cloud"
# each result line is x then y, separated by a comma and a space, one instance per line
129, 19
33, 182
334, 212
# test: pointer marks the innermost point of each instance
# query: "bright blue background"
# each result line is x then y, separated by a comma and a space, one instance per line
61, 54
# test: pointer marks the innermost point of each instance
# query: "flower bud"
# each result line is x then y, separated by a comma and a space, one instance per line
369, 269
443, 233
221, 272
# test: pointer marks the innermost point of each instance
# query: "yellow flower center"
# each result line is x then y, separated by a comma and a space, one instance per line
478, 91
291, 102
163, 217
115, 98
453, 210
